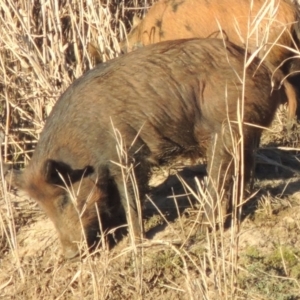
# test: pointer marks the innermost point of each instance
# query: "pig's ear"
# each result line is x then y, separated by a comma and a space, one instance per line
13, 177
57, 172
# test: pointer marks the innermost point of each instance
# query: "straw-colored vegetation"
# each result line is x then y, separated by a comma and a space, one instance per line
44, 46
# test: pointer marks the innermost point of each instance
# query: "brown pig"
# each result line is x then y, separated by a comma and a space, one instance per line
175, 99
267, 28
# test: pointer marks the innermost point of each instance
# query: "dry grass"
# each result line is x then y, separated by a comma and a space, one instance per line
43, 48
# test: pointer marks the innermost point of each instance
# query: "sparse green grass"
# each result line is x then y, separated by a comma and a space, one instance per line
274, 275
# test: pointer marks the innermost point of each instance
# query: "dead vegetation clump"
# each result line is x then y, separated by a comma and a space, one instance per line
44, 46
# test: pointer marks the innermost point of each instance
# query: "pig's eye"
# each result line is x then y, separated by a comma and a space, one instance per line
64, 200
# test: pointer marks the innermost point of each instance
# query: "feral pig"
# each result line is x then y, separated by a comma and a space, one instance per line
175, 99
255, 25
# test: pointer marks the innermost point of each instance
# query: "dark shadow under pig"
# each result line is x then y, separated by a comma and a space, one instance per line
175, 99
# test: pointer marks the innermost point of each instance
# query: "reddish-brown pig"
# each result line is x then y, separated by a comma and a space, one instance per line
175, 99
267, 28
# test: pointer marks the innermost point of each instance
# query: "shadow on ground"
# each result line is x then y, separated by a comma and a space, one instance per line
277, 174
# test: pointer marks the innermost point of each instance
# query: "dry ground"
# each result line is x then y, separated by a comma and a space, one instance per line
257, 258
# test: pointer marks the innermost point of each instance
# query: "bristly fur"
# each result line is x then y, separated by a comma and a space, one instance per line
229, 20
169, 100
